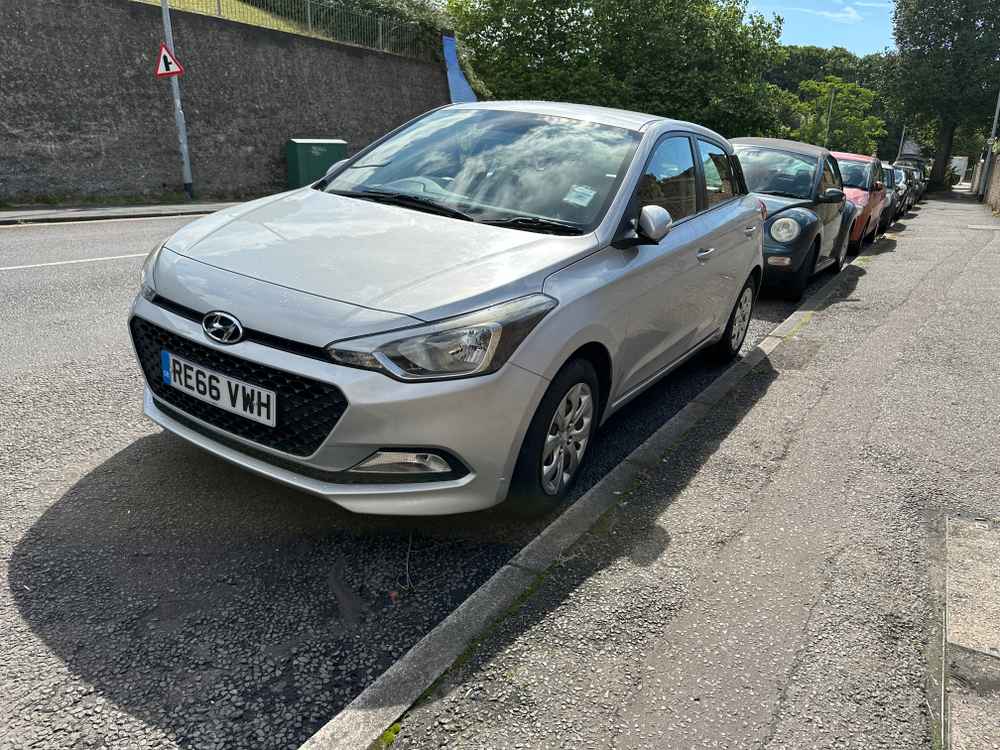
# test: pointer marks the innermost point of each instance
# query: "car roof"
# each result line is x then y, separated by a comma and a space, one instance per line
621, 118
780, 144
853, 157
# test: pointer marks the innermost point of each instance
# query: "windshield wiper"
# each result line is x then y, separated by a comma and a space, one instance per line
406, 200
535, 224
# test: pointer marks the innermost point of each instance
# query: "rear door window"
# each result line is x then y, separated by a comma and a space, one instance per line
720, 184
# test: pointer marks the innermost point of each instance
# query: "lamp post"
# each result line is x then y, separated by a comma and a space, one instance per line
168, 38
829, 116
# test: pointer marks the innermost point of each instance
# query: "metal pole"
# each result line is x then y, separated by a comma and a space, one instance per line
309, 16
829, 116
168, 38
996, 116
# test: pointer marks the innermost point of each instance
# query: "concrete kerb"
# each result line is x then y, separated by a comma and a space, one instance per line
56, 216
360, 724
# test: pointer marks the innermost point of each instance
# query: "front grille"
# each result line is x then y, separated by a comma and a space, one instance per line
307, 409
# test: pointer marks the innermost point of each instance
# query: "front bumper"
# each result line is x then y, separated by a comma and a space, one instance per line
789, 260
480, 421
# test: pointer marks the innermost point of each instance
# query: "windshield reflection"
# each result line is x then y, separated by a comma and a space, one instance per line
495, 165
777, 172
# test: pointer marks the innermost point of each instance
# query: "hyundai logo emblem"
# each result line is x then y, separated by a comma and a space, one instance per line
222, 327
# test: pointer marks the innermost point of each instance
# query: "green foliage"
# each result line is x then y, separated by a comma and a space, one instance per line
388, 736
851, 128
700, 60
949, 55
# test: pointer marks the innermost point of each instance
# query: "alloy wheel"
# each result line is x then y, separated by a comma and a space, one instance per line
567, 438
741, 319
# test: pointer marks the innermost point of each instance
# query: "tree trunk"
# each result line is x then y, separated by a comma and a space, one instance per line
946, 134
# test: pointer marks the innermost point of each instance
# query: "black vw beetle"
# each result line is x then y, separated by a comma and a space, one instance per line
808, 216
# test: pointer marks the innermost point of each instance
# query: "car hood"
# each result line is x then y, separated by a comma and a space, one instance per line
381, 257
857, 196
776, 203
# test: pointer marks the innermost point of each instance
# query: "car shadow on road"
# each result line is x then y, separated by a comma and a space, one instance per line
226, 610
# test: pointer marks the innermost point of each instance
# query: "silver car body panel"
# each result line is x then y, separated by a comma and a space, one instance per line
315, 268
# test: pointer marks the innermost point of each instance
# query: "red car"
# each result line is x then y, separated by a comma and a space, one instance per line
865, 188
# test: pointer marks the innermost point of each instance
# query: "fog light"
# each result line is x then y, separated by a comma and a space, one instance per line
779, 260
402, 462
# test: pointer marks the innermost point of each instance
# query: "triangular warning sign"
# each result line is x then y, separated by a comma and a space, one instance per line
167, 66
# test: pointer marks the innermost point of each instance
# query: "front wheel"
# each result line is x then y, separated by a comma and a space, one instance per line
842, 257
728, 347
556, 442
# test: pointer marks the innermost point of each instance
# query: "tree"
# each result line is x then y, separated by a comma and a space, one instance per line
700, 60
852, 127
949, 55
808, 63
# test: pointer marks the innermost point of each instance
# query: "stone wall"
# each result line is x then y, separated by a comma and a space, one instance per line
81, 114
993, 189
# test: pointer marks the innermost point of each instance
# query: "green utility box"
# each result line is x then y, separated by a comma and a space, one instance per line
309, 158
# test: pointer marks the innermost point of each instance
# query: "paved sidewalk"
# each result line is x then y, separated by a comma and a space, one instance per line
93, 213
779, 580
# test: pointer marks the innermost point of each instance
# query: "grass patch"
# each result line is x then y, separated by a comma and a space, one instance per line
388, 736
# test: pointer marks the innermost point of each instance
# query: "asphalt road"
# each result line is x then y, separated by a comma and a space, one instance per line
156, 597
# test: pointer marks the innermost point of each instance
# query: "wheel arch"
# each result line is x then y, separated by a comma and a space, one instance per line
598, 355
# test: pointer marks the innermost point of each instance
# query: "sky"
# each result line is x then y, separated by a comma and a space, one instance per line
861, 26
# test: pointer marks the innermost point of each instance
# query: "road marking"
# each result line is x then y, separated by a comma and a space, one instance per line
71, 262
994, 227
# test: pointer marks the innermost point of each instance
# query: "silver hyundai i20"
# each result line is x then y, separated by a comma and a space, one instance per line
444, 320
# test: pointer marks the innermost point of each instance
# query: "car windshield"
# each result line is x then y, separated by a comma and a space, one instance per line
900, 175
527, 170
777, 172
855, 173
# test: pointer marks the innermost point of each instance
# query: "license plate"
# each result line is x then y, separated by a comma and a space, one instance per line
257, 404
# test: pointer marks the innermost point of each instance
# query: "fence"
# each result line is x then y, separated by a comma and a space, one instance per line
325, 19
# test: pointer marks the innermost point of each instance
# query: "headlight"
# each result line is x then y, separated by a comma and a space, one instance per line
785, 230
146, 285
473, 344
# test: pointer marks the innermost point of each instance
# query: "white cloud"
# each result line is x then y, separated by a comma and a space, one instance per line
874, 5
847, 15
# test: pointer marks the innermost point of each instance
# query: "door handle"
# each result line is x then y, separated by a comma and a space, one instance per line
748, 231
705, 252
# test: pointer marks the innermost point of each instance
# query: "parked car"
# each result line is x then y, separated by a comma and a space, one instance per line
447, 317
890, 208
864, 187
905, 191
808, 214
918, 181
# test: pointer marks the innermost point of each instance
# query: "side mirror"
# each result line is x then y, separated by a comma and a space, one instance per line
831, 195
655, 223
335, 166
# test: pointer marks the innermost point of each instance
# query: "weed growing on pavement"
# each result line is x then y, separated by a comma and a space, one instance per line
388, 736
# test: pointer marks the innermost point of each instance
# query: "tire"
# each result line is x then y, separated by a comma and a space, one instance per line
869, 236
535, 488
796, 286
728, 347
841, 262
